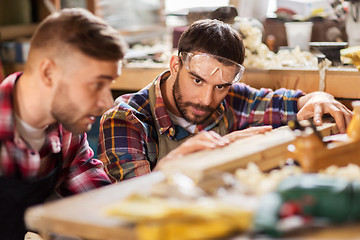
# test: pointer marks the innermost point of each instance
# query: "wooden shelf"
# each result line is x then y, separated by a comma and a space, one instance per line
133, 79
11, 32
340, 82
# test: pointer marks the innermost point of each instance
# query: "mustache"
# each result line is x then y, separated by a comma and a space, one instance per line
199, 106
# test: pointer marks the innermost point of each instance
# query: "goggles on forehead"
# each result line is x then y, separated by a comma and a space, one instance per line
207, 65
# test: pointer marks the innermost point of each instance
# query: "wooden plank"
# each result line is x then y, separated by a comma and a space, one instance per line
267, 150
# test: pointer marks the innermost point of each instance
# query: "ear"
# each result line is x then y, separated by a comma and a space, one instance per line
47, 71
174, 64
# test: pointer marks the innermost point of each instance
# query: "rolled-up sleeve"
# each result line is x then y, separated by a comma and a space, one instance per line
262, 106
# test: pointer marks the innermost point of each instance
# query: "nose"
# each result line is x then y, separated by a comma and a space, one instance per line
106, 100
206, 96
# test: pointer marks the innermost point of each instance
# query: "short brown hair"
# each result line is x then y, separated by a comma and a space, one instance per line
214, 37
80, 29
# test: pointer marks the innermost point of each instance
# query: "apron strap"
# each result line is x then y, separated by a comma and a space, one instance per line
16, 195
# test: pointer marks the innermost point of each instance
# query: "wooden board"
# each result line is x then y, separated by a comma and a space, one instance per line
267, 150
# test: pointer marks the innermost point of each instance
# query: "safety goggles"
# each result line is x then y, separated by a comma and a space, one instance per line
207, 65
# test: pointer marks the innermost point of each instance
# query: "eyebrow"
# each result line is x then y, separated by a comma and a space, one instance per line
197, 76
225, 84
108, 77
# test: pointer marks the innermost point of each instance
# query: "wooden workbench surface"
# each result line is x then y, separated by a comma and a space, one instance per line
84, 215
342, 82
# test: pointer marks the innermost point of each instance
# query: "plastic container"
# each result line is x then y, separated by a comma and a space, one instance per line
352, 24
298, 34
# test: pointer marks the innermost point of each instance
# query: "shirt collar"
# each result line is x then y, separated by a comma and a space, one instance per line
163, 119
7, 120
7, 116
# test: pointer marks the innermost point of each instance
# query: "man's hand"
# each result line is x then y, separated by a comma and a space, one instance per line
209, 140
236, 135
201, 141
318, 103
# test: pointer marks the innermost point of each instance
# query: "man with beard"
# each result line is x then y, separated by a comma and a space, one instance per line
200, 95
46, 110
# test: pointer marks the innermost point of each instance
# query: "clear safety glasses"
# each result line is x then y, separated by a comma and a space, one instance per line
207, 65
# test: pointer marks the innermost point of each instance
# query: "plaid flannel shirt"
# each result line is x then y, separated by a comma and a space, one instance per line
79, 171
128, 140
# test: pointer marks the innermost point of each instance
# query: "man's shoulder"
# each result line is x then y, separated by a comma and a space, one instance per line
6, 89
239, 86
239, 90
133, 104
7, 84
137, 98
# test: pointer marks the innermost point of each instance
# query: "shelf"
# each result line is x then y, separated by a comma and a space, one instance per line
11, 32
340, 82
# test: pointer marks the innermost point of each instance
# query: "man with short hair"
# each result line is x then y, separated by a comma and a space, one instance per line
46, 110
200, 95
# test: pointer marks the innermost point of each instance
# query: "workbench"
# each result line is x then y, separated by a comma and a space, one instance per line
83, 216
